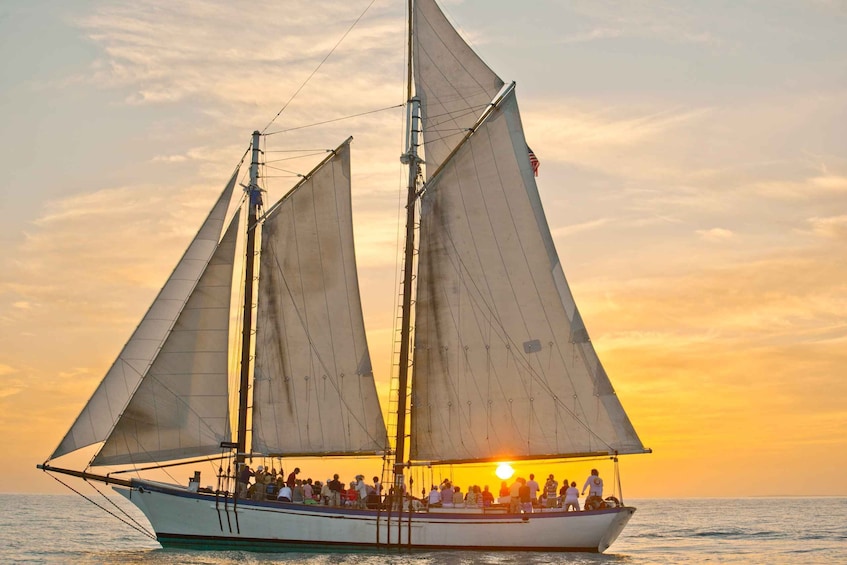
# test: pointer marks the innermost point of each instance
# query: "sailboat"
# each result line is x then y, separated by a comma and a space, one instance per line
495, 363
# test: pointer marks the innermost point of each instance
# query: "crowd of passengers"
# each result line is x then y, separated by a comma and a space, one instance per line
267, 484
522, 496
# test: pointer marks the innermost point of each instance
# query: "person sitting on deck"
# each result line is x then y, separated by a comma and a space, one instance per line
458, 499
285, 494
470, 497
351, 497
297, 492
446, 494
504, 493
487, 497
434, 500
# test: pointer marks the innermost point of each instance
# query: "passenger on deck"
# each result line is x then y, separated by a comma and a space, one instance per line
362, 491
504, 493
292, 478
515, 496
526, 500
551, 488
326, 494
470, 497
594, 483
297, 492
336, 488
458, 499
487, 497
353, 495
434, 497
446, 494
244, 480
534, 487
284, 494
571, 498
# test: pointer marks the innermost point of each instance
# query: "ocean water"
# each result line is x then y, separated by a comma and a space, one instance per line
68, 529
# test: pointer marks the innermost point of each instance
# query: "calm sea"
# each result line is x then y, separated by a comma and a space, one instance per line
67, 529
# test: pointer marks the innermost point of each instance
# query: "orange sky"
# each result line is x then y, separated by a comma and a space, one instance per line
693, 172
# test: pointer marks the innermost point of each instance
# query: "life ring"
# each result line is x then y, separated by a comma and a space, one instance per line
594, 502
612, 502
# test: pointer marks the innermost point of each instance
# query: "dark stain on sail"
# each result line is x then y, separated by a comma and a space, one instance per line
273, 278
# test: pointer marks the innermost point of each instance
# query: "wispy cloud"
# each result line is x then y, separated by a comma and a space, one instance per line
715, 234
834, 227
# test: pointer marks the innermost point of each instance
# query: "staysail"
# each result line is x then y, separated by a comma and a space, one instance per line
180, 410
503, 366
100, 415
459, 85
314, 389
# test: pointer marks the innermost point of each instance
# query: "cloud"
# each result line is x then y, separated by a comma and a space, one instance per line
585, 226
569, 127
715, 234
834, 227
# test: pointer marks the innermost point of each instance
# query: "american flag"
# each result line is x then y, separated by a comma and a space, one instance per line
533, 160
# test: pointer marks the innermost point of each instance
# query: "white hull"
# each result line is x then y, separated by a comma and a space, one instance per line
184, 519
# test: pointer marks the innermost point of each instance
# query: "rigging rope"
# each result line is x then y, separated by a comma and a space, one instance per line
106, 510
112, 502
335, 120
308, 78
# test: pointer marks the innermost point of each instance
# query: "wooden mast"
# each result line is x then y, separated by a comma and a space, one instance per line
410, 159
254, 200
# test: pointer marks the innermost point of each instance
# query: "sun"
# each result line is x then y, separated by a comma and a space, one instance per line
504, 471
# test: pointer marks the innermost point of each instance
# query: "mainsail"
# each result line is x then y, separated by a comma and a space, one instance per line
109, 401
314, 388
503, 368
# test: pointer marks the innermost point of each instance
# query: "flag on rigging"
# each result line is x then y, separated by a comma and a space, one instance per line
533, 160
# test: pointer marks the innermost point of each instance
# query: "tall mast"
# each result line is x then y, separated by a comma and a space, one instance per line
254, 200
409, 158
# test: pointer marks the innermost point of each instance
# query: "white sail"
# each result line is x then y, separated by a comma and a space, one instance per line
503, 368
180, 410
453, 83
101, 413
314, 388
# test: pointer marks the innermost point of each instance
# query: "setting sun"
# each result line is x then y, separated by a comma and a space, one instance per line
504, 471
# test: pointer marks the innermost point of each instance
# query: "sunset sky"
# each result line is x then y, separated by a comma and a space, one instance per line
693, 171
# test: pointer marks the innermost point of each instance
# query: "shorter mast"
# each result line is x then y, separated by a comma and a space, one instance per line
254, 200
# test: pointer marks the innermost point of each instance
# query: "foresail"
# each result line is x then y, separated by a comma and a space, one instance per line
503, 368
180, 410
98, 418
453, 83
314, 389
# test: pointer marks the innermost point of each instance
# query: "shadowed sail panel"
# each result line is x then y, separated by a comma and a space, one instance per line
314, 389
